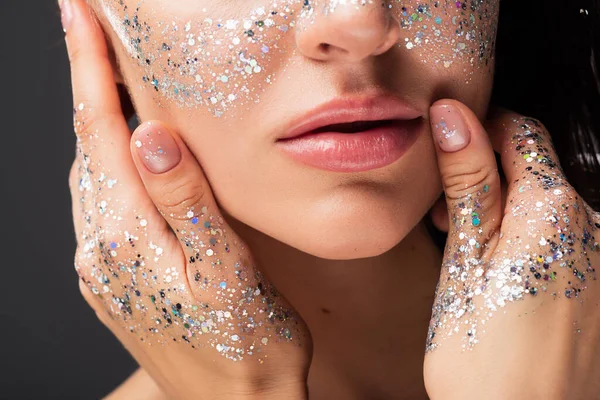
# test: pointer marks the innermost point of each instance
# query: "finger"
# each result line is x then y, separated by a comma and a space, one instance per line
101, 128
176, 183
218, 266
528, 157
470, 177
92, 75
77, 199
235, 300
439, 211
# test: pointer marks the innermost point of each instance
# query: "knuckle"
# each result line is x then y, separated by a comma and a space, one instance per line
533, 122
80, 263
500, 116
103, 317
75, 50
505, 117
84, 263
505, 124
94, 119
463, 181
178, 197
94, 302
87, 294
533, 126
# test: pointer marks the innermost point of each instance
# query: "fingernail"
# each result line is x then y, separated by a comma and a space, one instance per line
66, 14
449, 128
156, 148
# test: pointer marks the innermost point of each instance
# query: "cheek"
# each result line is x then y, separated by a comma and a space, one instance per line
211, 58
219, 58
448, 32
451, 46
474, 92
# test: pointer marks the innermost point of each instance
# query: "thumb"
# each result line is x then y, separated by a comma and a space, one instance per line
236, 304
178, 187
470, 178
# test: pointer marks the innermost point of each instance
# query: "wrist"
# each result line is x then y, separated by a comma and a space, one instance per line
138, 386
270, 391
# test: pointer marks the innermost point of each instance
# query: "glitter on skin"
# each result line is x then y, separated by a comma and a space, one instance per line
125, 280
131, 274
206, 62
550, 255
217, 63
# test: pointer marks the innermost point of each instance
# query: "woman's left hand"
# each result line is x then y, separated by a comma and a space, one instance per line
516, 311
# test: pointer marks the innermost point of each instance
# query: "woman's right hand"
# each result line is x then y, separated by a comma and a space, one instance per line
158, 263
516, 308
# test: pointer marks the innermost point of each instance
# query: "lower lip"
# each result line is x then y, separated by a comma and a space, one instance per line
355, 152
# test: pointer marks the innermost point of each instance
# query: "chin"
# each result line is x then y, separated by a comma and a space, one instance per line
350, 232
359, 217
353, 246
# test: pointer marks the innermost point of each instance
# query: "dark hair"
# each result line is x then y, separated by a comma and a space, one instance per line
547, 61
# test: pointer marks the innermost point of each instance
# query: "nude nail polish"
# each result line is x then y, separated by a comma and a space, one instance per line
156, 148
449, 129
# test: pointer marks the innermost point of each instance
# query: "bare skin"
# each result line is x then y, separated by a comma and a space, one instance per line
139, 386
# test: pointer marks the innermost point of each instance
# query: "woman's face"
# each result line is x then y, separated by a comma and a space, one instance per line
233, 77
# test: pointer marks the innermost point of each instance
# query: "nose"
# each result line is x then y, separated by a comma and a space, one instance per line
347, 31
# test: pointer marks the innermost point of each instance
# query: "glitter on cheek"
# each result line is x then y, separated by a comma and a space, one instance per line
217, 63
118, 28
205, 61
454, 35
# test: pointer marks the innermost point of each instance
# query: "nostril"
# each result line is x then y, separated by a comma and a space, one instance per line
324, 48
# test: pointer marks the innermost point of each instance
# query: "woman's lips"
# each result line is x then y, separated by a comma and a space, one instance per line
353, 135
354, 152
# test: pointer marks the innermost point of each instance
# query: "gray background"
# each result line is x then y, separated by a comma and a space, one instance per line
51, 345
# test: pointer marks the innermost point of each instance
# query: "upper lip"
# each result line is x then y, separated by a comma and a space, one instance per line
351, 109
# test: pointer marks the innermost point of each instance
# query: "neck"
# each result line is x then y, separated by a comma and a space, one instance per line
368, 317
